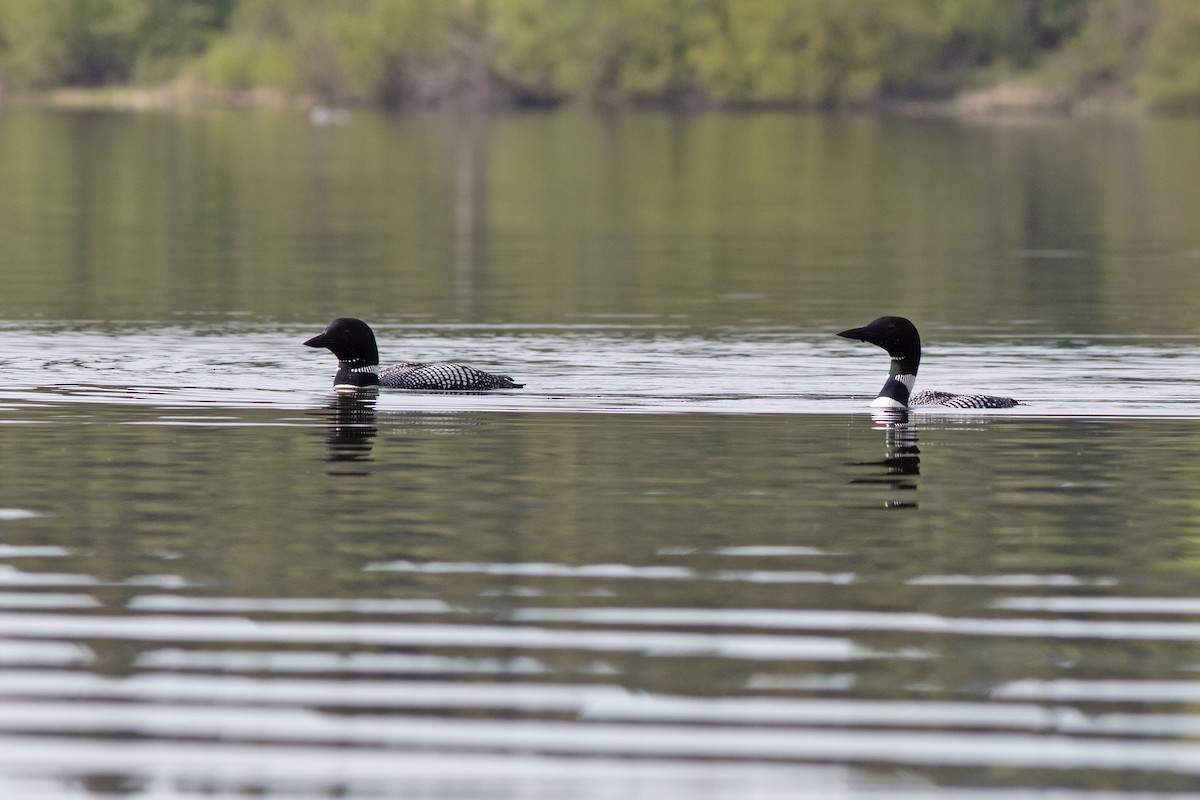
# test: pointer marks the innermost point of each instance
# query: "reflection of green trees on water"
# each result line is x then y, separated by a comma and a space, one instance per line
682, 53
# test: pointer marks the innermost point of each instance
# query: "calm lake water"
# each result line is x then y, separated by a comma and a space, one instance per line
684, 561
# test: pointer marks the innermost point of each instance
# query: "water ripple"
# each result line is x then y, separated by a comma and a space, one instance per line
597, 368
237, 629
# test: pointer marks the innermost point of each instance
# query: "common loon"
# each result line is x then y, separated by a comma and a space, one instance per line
353, 342
899, 337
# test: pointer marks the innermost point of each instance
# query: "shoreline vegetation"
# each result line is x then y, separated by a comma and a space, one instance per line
907, 57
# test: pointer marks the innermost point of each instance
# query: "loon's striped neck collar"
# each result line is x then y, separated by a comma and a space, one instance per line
899, 384
355, 374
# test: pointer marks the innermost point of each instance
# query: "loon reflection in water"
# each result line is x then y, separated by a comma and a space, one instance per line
901, 464
352, 430
899, 337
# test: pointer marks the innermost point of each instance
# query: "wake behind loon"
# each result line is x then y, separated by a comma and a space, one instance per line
353, 342
899, 337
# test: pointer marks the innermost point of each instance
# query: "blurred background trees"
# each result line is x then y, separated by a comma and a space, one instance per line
665, 53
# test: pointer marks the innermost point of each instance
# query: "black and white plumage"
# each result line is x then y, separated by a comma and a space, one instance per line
951, 400
899, 337
451, 377
353, 342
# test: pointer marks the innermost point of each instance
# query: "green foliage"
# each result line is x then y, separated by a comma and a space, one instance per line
239, 64
782, 52
1106, 52
548, 49
389, 45
1171, 80
98, 42
385, 52
677, 53
259, 48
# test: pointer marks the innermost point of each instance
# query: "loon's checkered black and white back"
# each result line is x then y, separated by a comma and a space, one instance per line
899, 337
353, 342
444, 376
950, 400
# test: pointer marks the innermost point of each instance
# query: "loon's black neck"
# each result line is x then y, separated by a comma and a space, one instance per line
355, 374
899, 385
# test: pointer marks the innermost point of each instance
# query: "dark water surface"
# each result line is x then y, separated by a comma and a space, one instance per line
684, 561
477, 603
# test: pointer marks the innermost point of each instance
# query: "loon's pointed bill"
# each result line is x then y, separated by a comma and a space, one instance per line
863, 334
899, 337
319, 340
353, 342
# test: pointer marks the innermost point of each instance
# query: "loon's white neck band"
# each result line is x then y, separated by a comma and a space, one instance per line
883, 401
895, 392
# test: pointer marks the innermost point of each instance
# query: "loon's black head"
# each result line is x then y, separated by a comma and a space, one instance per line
895, 334
900, 338
353, 342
